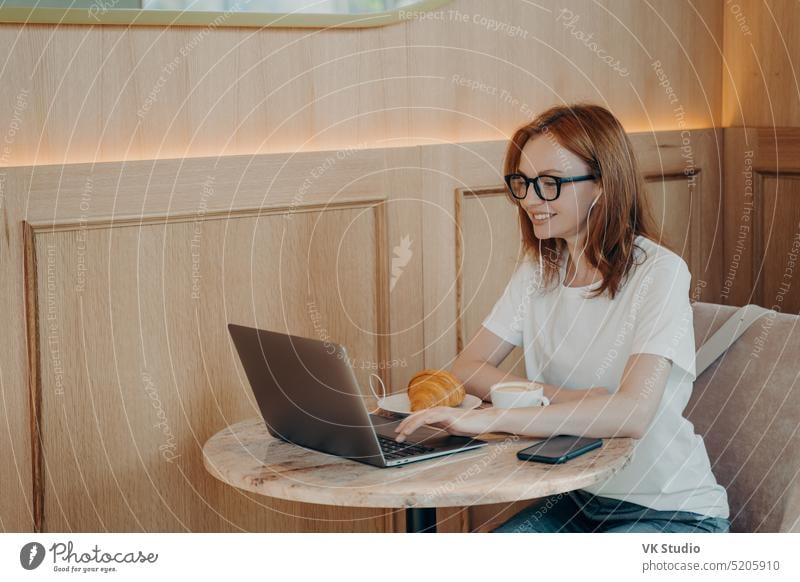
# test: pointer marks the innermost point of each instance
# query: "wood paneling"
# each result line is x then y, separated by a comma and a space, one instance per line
115, 258
761, 77
120, 248
73, 93
778, 241
101, 93
762, 217
145, 374
488, 247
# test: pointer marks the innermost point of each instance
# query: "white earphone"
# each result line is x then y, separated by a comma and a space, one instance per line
541, 266
588, 214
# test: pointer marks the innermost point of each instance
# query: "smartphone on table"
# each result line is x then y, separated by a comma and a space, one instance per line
559, 449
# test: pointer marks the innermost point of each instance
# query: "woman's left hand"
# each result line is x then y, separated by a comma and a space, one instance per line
453, 420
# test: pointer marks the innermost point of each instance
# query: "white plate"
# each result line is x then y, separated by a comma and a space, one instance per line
400, 404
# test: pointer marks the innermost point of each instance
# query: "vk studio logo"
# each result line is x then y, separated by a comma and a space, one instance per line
31, 555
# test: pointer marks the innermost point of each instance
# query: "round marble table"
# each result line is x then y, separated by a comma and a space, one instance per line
246, 456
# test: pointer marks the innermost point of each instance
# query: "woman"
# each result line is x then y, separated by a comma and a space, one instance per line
602, 312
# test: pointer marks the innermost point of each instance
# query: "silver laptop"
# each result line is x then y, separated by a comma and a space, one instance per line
308, 395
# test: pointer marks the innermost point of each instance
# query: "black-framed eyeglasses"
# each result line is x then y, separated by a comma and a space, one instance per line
548, 188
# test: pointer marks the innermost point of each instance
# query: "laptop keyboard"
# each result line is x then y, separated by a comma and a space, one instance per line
394, 450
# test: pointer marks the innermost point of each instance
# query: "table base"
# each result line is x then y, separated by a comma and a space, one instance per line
421, 520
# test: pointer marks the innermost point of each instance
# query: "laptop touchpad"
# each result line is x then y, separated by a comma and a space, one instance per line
427, 435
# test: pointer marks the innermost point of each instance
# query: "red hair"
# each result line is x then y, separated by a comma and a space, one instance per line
623, 212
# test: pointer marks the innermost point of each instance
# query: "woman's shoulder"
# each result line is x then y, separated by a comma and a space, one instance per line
526, 272
525, 278
649, 255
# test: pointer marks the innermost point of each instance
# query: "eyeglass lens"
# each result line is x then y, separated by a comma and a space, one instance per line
548, 187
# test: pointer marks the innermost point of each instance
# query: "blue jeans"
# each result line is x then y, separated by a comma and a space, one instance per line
582, 512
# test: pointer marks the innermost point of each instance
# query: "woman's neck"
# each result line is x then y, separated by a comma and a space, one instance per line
579, 273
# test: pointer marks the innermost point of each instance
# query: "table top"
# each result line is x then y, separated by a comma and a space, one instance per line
246, 456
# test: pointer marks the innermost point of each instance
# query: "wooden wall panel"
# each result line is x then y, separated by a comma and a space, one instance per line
72, 94
172, 224
17, 507
778, 241
687, 165
254, 92
762, 217
149, 372
761, 76
491, 247
673, 207
114, 197
105, 93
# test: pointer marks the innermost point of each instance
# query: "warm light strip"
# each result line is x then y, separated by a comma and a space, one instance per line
401, 143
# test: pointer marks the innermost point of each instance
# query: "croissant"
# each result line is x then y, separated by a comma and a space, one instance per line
429, 388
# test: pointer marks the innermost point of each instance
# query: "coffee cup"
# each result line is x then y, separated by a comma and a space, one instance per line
518, 395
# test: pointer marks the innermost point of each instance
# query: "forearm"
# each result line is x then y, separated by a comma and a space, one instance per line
613, 415
479, 377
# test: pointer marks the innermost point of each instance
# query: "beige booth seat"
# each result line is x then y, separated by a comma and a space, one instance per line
746, 406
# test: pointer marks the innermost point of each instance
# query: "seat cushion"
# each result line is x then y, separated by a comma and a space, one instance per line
746, 406
791, 513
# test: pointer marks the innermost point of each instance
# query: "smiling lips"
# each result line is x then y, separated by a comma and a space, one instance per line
540, 217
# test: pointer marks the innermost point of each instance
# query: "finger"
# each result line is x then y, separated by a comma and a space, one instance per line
401, 424
409, 418
428, 416
409, 425
412, 423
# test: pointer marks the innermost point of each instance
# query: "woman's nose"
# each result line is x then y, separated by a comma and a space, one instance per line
532, 202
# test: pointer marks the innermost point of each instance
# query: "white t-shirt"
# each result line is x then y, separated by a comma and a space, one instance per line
577, 342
